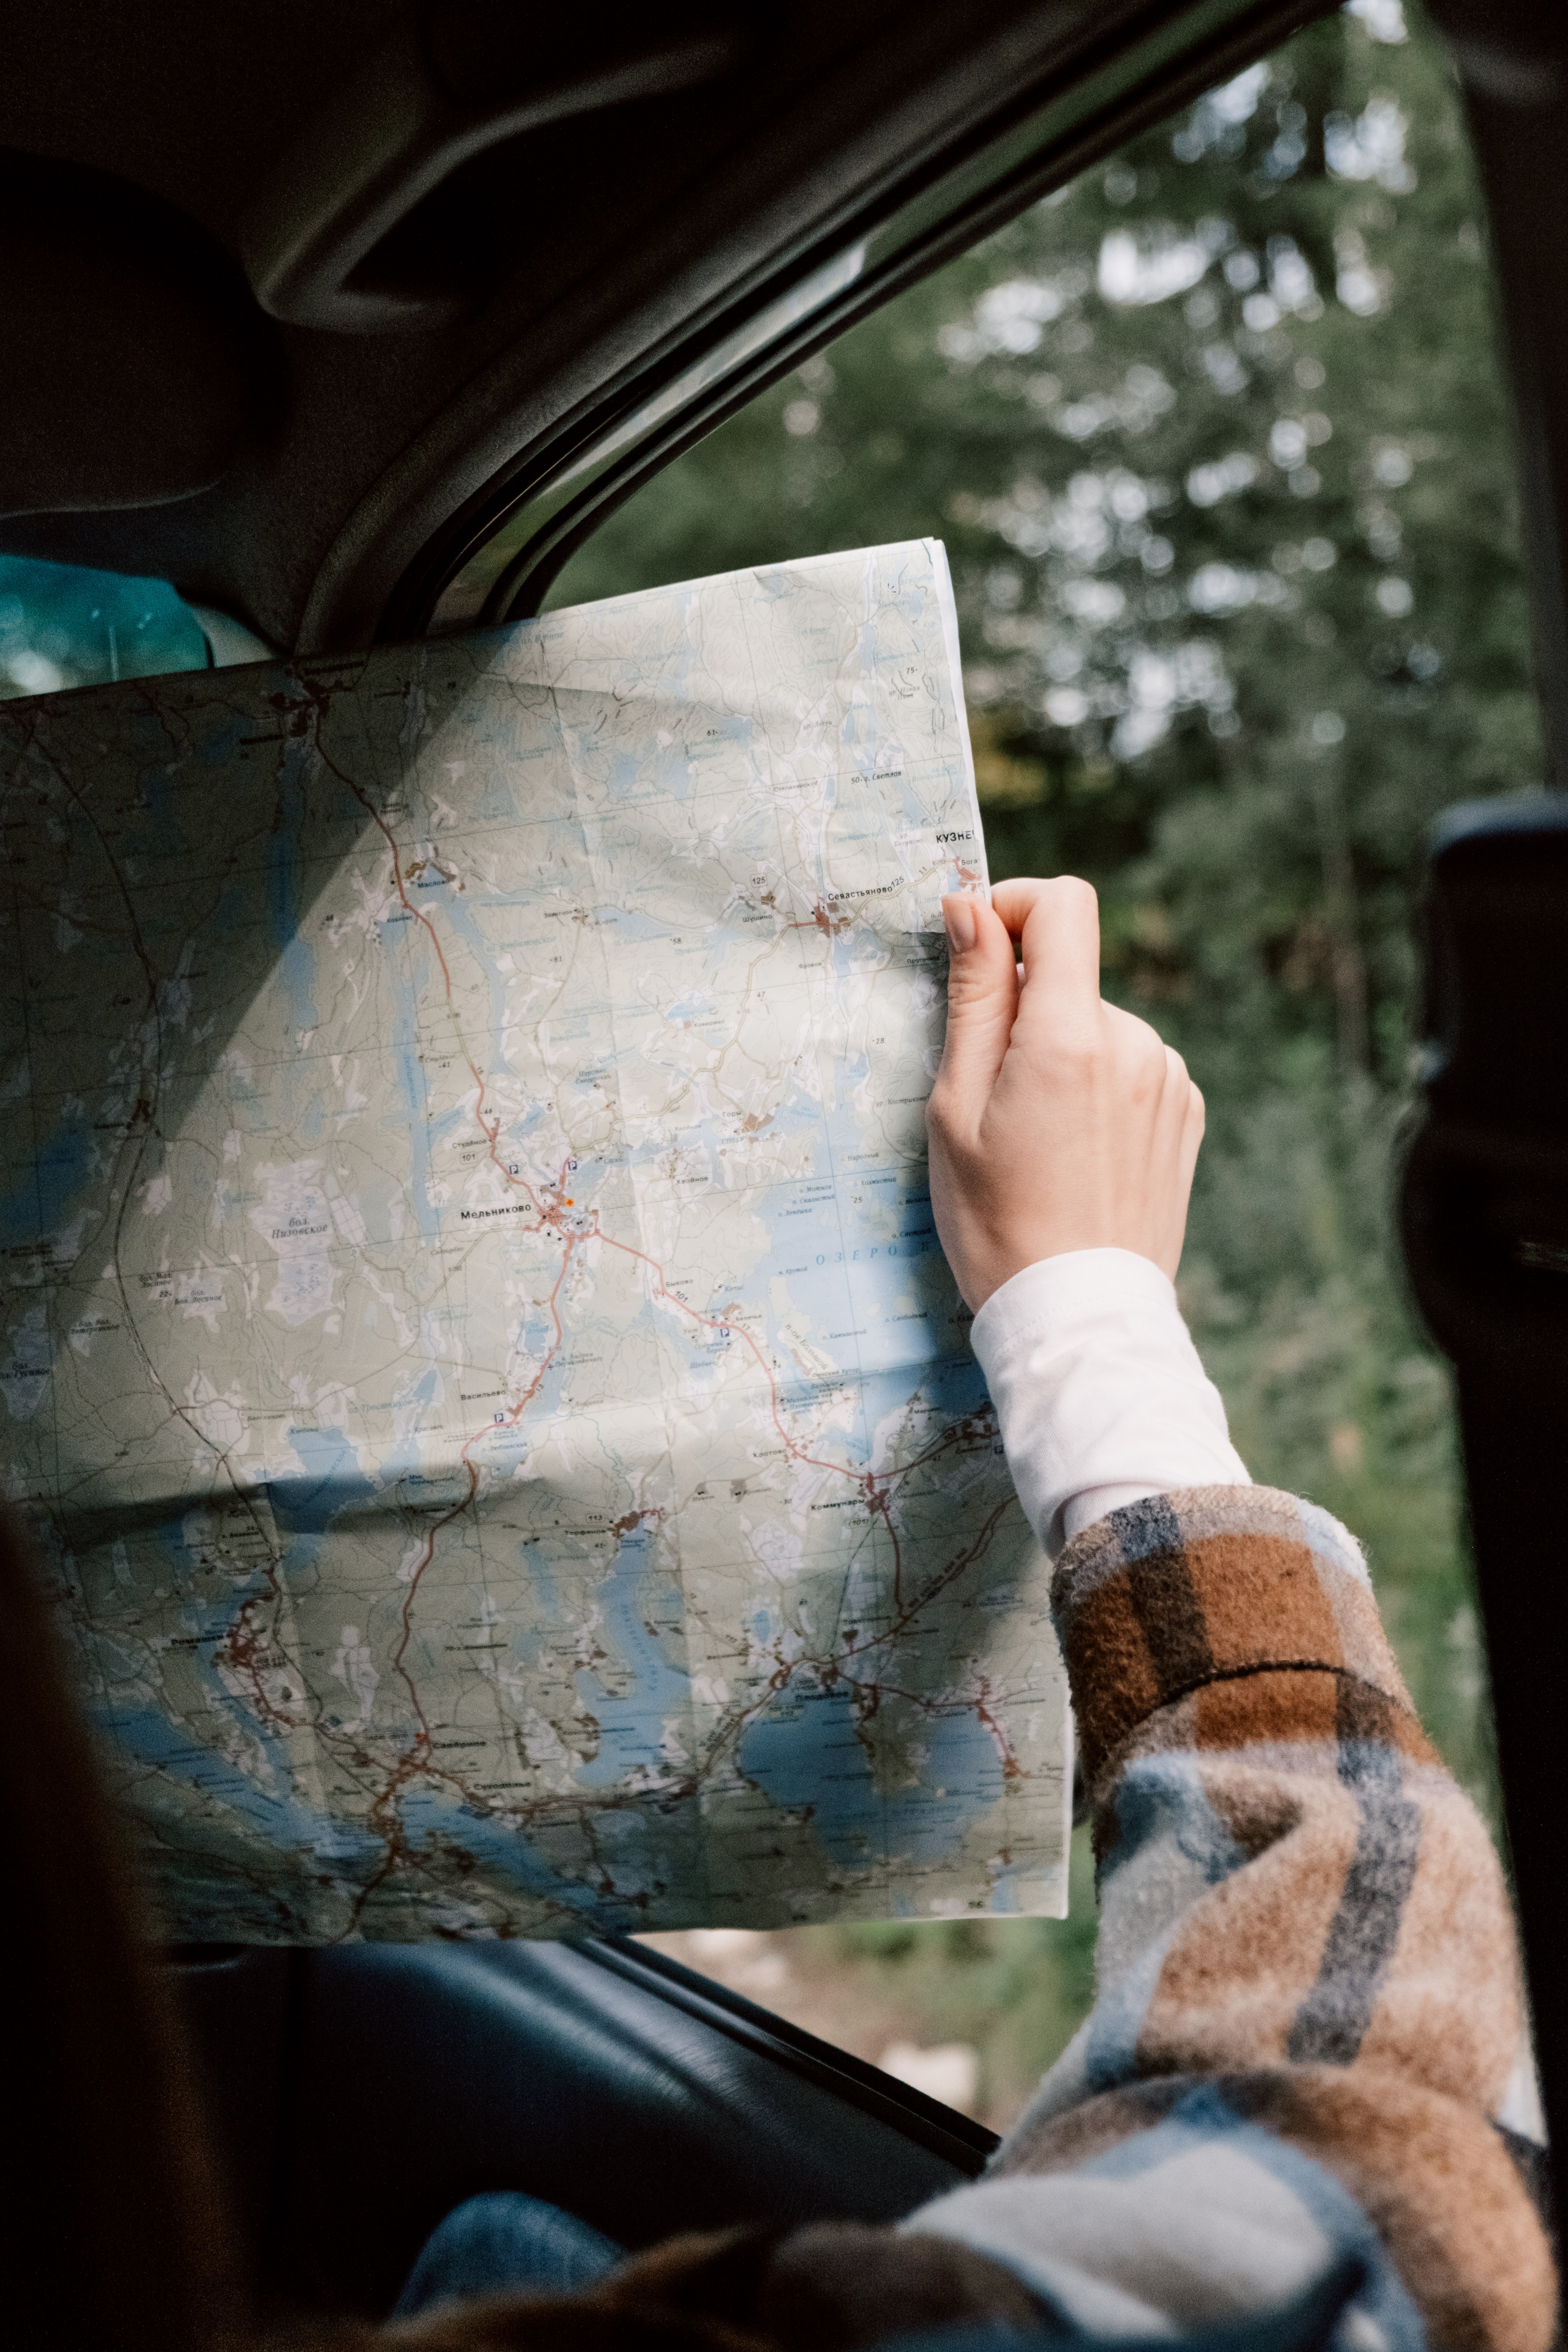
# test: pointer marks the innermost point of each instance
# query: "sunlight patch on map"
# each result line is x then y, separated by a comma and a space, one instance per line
476, 1345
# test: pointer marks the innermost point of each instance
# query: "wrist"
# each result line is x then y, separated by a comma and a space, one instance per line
1100, 1394
1093, 1280
986, 1275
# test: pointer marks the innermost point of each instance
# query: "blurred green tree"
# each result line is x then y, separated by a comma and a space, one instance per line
1218, 443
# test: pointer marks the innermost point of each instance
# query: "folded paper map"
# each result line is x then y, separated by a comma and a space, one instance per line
476, 1348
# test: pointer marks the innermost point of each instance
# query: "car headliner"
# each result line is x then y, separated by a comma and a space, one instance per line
159, 422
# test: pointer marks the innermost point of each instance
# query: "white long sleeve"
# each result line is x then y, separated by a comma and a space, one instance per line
1098, 1390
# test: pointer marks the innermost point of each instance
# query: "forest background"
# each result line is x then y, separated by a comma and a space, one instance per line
1218, 443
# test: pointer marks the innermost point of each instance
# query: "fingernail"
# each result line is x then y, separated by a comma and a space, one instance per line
958, 914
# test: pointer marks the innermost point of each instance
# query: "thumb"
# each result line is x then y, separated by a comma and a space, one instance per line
982, 1001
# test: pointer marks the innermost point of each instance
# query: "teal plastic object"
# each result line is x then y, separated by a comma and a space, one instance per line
61, 626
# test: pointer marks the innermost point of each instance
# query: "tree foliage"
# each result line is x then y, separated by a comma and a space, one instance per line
1219, 446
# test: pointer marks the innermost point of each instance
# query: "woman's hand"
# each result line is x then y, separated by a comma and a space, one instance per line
1057, 1122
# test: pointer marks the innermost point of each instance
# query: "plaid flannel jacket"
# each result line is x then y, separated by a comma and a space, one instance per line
1310, 2039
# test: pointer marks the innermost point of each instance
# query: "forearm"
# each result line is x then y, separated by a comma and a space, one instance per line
1306, 1952
1247, 1739
1309, 2021
1284, 1867
1099, 1391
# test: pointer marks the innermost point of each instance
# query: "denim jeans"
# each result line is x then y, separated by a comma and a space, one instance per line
505, 2242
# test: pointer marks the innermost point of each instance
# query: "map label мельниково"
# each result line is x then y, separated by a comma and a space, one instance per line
475, 1343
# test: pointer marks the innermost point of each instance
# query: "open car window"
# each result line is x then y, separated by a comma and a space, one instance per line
1218, 442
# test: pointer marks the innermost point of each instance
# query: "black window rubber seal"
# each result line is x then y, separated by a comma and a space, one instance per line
963, 2143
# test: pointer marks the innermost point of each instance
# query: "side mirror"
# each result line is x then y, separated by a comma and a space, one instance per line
1484, 1222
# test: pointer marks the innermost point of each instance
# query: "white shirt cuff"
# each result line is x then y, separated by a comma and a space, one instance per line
1098, 1390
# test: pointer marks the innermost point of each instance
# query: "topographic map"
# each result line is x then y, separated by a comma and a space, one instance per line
476, 1348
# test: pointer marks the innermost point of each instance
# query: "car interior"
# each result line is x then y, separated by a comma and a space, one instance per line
352, 325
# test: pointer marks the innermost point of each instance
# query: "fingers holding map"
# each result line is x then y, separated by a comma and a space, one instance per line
474, 1344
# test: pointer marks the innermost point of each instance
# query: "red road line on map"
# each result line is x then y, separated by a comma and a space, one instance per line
876, 1486
489, 1131
868, 1478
